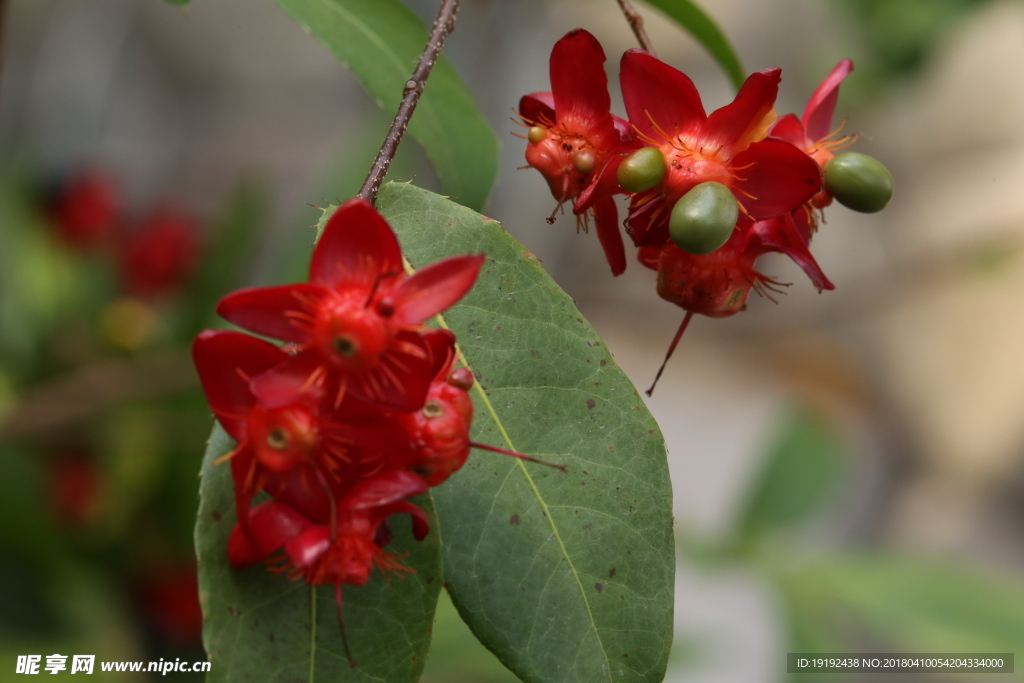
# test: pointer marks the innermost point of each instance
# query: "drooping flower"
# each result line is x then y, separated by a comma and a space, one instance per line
718, 284
575, 141
359, 317
341, 549
768, 177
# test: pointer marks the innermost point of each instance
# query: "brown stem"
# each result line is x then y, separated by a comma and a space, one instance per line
443, 25
636, 22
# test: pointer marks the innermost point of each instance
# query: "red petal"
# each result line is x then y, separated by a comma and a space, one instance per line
790, 129
401, 379
434, 288
653, 90
774, 178
782, 235
357, 246
273, 524
442, 352
291, 381
303, 489
578, 82
739, 123
420, 522
538, 108
817, 118
385, 488
624, 130
306, 549
649, 256
278, 312
225, 362
606, 218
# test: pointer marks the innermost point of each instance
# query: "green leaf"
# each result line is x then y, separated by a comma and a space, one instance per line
799, 474
256, 626
702, 27
380, 41
564, 576
924, 605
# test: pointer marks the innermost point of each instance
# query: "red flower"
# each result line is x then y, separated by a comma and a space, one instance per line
157, 257
359, 317
767, 177
812, 131
575, 141
343, 549
718, 284
276, 417
85, 210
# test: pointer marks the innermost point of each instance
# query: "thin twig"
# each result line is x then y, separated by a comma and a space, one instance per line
443, 25
637, 23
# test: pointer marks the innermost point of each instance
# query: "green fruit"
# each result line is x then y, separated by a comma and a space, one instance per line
858, 182
642, 170
704, 218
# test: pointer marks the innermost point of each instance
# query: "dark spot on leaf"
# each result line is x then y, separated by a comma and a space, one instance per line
533, 352
583, 483
597, 384
585, 472
611, 574
611, 448
231, 610
579, 320
650, 431
625, 654
604, 363
599, 587
271, 636
588, 360
514, 519
216, 516
429, 579
591, 403
588, 527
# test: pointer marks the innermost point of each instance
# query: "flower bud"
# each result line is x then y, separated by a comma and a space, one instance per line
704, 218
642, 170
859, 182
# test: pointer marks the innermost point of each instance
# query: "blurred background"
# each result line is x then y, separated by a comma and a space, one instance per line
848, 467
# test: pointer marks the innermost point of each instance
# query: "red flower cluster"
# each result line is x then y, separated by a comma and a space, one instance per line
154, 257
709, 193
360, 409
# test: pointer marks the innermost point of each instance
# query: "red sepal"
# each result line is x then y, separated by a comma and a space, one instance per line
817, 118
277, 312
776, 179
357, 246
653, 90
434, 288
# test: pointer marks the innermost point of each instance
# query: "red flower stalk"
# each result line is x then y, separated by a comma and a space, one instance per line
813, 132
158, 257
575, 141
342, 550
767, 177
359, 317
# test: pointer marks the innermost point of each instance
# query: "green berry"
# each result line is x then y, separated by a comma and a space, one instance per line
704, 218
642, 170
858, 182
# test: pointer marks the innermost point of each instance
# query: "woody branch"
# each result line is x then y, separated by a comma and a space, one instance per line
443, 25
636, 22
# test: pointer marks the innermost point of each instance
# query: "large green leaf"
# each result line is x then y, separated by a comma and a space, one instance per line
565, 576
256, 626
702, 27
380, 41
